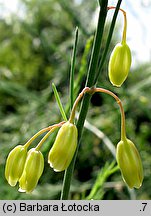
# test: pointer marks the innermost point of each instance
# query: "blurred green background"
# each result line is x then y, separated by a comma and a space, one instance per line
35, 51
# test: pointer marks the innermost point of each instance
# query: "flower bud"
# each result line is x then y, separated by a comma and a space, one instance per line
14, 164
33, 169
130, 163
119, 64
63, 148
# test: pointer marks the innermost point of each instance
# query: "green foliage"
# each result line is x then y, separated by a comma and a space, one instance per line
97, 191
35, 52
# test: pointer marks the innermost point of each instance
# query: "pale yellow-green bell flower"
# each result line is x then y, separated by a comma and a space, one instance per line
119, 64
130, 163
15, 164
33, 169
64, 147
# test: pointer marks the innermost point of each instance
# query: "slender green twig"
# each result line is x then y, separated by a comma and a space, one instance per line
82, 70
72, 69
108, 40
59, 102
89, 83
83, 66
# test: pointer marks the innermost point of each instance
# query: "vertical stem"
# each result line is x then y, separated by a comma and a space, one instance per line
97, 44
89, 83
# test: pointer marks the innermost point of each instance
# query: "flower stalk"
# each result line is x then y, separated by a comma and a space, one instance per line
123, 130
72, 116
91, 91
125, 23
49, 128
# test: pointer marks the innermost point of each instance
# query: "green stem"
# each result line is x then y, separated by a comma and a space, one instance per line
97, 45
108, 41
89, 83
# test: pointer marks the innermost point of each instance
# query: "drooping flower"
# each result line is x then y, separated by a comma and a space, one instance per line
64, 147
119, 64
15, 164
33, 169
130, 163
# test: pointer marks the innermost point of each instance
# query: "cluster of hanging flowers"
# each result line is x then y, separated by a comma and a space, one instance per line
25, 166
